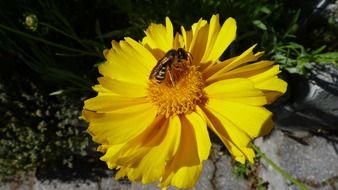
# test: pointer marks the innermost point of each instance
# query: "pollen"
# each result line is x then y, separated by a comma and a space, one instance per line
181, 97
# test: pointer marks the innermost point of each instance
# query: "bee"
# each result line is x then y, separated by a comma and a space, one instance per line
172, 59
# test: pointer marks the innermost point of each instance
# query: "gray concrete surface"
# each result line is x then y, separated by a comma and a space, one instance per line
313, 161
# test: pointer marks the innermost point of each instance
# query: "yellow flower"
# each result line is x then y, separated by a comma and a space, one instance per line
155, 127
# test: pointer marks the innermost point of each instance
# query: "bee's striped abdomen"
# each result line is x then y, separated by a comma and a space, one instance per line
161, 73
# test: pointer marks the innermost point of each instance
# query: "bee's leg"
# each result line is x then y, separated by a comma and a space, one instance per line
171, 78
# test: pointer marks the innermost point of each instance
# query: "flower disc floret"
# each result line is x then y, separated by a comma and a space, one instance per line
180, 98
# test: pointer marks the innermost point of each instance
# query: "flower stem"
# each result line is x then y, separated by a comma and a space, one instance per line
278, 169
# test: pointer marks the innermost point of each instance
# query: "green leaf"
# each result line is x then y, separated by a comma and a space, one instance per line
259, 24
265, 10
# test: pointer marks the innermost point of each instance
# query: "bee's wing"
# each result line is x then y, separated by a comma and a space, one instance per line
158, 67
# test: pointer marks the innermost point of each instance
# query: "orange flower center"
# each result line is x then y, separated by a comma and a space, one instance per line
178, 95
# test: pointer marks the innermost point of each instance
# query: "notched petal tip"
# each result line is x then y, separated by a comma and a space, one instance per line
159, 36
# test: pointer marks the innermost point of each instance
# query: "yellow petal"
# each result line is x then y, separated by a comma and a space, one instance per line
199, 40
193, 149
227, 65
187, 153
112, 103
100, 89
251, 120
187, 38
159, 36
214, 28
230, 67
151, 165
269, 81
246, 57
238, 90
111, 154
185, 177
147, 164
248, 70
126, 63
213, 67
263, 74
228, 129
123, 88
116, 128
199, 125
239, 151
178, 41
133, 152
170, 31
174, 136
225, 37
142, 54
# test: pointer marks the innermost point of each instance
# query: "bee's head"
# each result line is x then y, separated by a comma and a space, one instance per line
171, 53
182, 54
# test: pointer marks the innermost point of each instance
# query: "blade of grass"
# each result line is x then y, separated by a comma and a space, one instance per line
49, 42
64, 33
40, 67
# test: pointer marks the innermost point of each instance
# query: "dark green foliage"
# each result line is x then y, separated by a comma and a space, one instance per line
240, 170
295, 58
67, 37
249, 172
